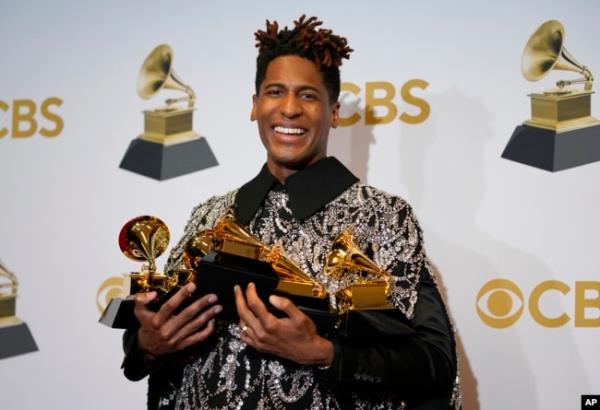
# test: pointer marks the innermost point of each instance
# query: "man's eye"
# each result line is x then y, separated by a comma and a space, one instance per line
274, 93
308, 96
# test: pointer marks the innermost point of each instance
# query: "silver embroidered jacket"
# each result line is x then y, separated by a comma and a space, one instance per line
227, 374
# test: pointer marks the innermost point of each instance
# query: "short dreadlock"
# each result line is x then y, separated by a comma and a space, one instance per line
320, 46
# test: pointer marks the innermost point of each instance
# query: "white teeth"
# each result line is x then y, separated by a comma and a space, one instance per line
283, 130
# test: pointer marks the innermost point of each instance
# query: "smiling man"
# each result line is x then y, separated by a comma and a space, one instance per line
301, 200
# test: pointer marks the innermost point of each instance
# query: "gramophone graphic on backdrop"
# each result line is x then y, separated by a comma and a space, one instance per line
561, 132
15, 337
168, 147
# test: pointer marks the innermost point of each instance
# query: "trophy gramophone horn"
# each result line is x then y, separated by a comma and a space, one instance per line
345, 255
157, 73
545, 51
198, 247
231, 237
8, 299
344, 259
14, 283
144, 239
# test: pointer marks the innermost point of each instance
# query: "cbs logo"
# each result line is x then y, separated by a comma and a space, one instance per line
23, 123
500, 303
382, 94
113, 287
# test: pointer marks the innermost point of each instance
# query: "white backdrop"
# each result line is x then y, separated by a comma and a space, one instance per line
64, 199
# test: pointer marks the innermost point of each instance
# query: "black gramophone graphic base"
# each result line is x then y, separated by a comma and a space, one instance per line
552, 150
162, 162
15, 340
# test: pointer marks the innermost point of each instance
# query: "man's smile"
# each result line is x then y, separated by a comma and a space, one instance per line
288, 130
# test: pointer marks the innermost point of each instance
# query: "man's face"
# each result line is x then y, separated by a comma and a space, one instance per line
293, 114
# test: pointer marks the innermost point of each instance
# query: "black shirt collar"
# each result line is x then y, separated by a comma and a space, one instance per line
309, 189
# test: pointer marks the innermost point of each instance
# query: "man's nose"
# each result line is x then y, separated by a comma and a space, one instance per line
290, 106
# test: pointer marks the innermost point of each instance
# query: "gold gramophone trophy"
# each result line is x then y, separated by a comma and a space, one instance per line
561, 132
369, 286
362, 299
230, 237
169, 147
143, 239
229, 254
15, 337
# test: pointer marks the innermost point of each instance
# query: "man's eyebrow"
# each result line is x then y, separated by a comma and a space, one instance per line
300, 87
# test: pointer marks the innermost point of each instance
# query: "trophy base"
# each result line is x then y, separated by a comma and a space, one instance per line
168, 121
553, 150
8, 306
162, 162
219, 272
16, 339
561, 110
119, 314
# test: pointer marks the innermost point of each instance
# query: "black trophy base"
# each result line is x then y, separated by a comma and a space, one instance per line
551, 150
218, 273
16, 339
119, 314
162, 162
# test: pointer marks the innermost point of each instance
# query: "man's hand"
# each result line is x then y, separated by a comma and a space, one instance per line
163, 332
293, 337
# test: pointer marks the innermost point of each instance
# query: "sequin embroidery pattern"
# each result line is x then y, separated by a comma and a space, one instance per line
233, 376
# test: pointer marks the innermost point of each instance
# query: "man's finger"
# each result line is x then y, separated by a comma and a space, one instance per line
174, 324
198, 336
243, 310
286, 306
254, 302
167, 309
192, 310
268, 322
141, 301
247, 336
199, 322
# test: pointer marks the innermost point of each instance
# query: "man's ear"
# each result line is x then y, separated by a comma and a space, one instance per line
253, 112
335, 114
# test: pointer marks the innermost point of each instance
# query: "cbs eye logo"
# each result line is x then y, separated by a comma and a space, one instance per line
500, 303
109, 289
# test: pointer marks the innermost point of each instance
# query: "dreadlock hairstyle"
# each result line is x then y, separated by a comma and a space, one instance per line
320, 46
